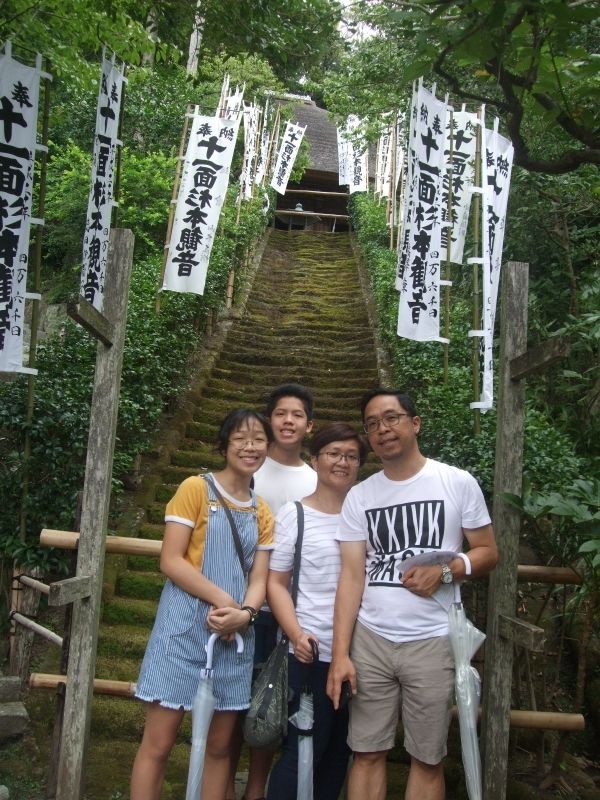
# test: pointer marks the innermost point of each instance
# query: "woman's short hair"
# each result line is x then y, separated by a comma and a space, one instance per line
337, 432
235, 420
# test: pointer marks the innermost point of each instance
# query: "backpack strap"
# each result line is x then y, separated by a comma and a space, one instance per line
233, 526
298, 551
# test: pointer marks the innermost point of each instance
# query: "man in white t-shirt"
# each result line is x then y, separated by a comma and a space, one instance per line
283, 477
391, 619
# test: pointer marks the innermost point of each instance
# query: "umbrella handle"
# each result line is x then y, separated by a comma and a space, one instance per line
210, 646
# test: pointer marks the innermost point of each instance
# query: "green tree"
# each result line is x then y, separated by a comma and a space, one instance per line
534, 63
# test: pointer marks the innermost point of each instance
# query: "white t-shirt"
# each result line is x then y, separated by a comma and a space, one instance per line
398, 520
278, 483
319, 568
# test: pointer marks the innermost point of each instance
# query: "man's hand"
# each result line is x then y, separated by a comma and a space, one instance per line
423, 581
302, 649
340, 670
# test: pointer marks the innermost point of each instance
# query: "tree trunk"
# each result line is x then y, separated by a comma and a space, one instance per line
152, 31
195, 41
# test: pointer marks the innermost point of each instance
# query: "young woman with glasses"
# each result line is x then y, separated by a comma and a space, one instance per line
206, 591
337, 452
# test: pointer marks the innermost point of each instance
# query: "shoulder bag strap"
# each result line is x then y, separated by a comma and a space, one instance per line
297, 552
233, 526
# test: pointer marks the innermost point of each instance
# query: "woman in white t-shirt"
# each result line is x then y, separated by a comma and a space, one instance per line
337, 452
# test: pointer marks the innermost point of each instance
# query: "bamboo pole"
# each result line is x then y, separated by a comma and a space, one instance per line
127, 545
538, 720
174, 194
117, 183
230, 284
44, 680
36, 628
32, 583
35, 315
448, 268
477, 246
392, 202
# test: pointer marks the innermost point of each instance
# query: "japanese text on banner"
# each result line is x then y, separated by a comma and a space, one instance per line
287, 156
420, 255
19, 94
204, 181
100, 201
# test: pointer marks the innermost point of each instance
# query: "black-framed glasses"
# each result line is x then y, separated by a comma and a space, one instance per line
388, 421
334, 456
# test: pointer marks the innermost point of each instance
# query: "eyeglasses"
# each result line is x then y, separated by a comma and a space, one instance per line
334, 457
388, 421
242, 441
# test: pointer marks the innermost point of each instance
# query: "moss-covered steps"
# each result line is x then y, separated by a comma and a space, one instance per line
305, 320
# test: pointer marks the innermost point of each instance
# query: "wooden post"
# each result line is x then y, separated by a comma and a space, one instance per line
94, 519
507, 524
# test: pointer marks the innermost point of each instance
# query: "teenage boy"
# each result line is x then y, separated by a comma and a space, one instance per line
390, 632
283, 477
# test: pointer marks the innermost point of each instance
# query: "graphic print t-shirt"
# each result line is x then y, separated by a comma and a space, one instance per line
398, 520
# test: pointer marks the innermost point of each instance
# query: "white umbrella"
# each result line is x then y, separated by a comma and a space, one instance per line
465, 640
303, 720
202, 711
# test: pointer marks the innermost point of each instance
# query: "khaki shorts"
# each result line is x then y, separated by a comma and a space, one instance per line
417, 677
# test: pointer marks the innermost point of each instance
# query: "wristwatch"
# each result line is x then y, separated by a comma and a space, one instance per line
447, 576
253, 614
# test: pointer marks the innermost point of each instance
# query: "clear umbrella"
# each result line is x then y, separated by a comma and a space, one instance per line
465, 640
202, 711
303, 720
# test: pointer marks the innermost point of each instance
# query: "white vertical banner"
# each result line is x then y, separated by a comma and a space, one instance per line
462, 163
408, 195
19, 96
497, 154
250, 136
100, 201
223, 96
204, 180
383, 174
358, 159
286, 157
342, 145
419, 271
263, 148
234, 103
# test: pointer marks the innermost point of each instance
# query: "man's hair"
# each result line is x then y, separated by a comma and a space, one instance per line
291, 390
404, 400
337, 432
234, 421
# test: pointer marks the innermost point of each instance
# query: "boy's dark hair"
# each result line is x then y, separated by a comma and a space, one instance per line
337, 432
404, 400
234, 421
291, 390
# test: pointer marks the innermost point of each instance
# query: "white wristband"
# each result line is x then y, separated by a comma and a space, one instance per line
467, 560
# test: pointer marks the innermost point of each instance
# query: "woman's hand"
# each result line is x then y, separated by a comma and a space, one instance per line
302, 649
224, 600
227, 621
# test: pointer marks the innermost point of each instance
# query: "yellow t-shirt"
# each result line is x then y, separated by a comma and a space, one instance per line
189, 506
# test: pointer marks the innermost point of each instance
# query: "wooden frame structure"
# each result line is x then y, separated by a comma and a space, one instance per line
92, 542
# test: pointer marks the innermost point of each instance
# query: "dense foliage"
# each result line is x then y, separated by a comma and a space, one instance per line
551, 460
158, 346
534, 64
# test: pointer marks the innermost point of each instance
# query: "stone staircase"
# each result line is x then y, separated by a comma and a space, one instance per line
305, 321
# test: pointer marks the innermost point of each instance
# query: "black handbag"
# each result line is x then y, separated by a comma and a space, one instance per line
265, 724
